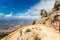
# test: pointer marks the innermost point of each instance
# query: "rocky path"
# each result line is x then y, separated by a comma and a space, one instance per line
44, 32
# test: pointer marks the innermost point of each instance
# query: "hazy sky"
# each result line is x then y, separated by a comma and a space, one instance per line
29, 9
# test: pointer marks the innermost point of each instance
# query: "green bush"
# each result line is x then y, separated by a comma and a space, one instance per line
34, 22
37, 38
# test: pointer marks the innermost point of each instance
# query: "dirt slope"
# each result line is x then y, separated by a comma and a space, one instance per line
47, 28
33, 31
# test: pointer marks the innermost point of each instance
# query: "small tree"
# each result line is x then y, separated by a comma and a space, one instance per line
34, 22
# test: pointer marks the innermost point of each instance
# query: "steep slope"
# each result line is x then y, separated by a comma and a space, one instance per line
48, 28
52, 20
34, 32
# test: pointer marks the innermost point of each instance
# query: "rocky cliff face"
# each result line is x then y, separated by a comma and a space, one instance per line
51, 19
48, 28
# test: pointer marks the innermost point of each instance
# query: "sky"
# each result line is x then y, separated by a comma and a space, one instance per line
26, 9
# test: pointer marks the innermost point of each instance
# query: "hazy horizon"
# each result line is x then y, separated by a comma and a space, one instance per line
26, 9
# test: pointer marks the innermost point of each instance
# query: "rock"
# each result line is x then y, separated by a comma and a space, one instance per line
48, 28
35, 32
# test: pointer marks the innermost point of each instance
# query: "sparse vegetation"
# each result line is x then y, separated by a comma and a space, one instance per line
28, 30
34, 22
37, 38
21, 33
3, 35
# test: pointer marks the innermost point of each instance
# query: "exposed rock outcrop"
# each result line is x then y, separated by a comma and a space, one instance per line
47, 28
51, 19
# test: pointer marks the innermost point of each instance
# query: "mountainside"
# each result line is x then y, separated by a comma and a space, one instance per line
52, 20
48, 28
9, 25
34, 32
